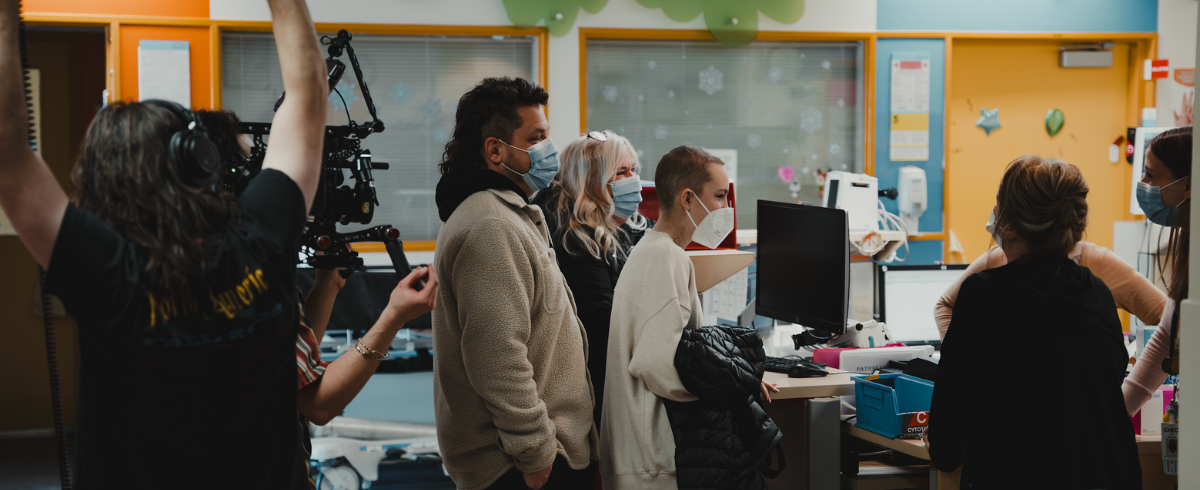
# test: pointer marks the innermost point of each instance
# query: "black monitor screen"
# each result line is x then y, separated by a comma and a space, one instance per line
803, 265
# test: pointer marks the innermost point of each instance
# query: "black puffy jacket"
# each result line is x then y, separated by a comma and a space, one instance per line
724, 439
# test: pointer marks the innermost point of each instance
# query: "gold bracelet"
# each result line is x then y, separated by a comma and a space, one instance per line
370, 354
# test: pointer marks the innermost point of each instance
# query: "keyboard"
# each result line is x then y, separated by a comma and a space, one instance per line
782, 364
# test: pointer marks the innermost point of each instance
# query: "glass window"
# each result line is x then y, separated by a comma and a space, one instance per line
415, 81
789, 109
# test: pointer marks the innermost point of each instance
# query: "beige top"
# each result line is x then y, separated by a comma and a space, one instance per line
655, 299
1147, 373
510, 380
1132, 291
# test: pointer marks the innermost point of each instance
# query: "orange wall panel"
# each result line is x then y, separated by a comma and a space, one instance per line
201, 59
154, 8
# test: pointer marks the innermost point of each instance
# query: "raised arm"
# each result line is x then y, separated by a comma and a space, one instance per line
298, 130
29, 194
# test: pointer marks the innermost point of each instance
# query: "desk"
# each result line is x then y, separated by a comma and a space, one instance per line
808, 415
1149, 453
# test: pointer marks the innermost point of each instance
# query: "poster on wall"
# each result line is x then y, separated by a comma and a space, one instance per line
165, 71
909, 140
1183, 93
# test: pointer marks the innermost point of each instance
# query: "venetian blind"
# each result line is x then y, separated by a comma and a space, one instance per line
786, 108
415, 81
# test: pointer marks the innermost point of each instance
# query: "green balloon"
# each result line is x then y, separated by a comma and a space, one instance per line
732, 22
1054, 121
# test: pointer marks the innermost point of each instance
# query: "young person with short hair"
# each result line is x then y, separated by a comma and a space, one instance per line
654, 301
512, 395
185, 300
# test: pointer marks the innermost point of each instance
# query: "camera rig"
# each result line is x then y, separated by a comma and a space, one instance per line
335, 202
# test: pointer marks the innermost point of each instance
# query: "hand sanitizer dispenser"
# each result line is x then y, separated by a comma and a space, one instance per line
913, 198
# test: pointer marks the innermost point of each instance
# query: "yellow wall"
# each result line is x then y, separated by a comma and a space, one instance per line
1022, 78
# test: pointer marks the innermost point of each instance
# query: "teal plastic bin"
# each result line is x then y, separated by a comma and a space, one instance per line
892, 404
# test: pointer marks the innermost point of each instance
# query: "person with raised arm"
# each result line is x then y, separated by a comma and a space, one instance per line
185, 298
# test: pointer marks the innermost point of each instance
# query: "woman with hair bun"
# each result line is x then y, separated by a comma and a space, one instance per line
1087, 443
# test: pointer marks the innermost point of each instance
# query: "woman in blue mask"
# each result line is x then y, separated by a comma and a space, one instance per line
1165, 194
591, 210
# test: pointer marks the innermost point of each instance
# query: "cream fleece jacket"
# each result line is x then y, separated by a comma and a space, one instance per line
1132, 291
655, 299
510, 380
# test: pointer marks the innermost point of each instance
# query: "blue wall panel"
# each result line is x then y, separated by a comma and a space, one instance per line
922, 253
1019, 15
887, 171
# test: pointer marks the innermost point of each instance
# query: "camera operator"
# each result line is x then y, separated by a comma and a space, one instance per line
185, 301
326, 388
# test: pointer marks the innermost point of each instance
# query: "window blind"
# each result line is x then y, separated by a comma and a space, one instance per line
415, 81
785, 105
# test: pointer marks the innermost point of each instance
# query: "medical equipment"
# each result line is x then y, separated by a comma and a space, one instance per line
913, 196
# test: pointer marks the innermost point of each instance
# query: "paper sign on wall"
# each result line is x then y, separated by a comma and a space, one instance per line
1183, 92
164, 71
910, 107
729, 157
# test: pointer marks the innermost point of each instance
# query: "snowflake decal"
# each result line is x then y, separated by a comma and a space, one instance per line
401, 93
711, 80
814, 156
774, 74
811, 120
805, 171
610, 93
841, 102
641, 98
747, 103
670, 94
621, 130
347, 91
652, 64
745, 57
785, 151
687, 113
834, 149
432, 109
754, 140
709, 125
826, 64
808, 87
441, 135
640, 153
660, 132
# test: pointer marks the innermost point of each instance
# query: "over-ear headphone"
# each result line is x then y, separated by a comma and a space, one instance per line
196, 158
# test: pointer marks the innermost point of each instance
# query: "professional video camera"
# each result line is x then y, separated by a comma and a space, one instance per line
335, 203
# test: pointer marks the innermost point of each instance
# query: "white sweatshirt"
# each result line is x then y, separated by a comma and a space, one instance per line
655, 299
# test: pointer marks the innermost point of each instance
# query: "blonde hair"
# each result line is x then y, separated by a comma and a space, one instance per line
581, 194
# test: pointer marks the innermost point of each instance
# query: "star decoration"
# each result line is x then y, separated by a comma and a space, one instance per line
989, 120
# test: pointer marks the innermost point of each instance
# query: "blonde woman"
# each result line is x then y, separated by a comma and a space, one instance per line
591, 210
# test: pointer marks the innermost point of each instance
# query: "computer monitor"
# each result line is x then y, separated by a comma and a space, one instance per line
907, 295
803, 265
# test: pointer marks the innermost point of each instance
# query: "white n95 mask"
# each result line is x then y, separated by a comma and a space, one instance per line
714, 227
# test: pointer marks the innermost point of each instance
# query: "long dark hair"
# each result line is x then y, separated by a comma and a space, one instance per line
1173, 148
488, 110
125, 177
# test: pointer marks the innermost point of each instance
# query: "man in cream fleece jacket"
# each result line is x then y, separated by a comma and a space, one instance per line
513, 398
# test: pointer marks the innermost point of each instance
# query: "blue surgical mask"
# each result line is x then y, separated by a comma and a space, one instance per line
627, 194
543, 164
1150, 199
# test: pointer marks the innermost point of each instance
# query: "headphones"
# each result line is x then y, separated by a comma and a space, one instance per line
196, 158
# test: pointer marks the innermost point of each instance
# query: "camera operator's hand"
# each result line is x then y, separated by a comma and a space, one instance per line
329, 280
406, 302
